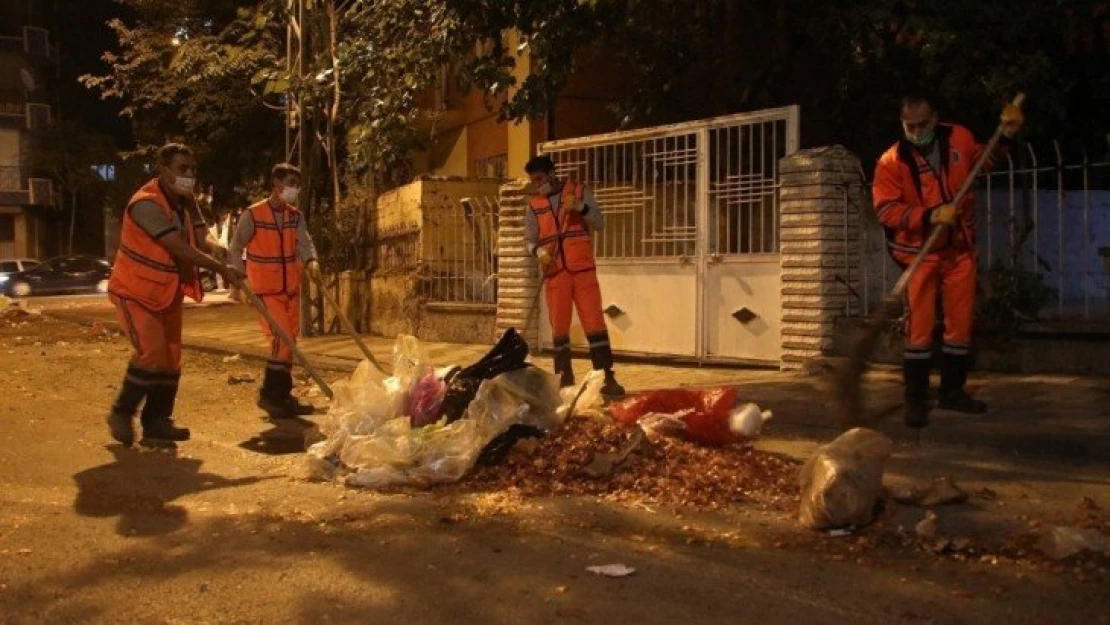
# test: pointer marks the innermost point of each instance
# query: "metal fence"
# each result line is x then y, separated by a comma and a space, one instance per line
651, 185
1036, 210
458, 262
397, 248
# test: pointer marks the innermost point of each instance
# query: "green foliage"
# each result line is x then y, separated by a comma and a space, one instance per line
186, 70
1011, 294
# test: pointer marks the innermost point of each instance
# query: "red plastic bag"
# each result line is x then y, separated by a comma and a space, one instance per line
705, 411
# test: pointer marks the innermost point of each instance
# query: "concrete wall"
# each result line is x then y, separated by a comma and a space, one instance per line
395, 298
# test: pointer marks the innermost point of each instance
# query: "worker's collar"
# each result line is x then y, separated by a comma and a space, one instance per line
556, 187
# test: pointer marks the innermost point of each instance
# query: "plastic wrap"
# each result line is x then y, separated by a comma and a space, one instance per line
841, 482
374, 438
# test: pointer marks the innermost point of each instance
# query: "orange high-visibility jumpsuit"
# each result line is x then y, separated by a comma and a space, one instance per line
274, 272
571, 278
907, 189
147, 287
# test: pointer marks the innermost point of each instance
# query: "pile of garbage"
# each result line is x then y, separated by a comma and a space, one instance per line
600, 457
506, 425
424, 426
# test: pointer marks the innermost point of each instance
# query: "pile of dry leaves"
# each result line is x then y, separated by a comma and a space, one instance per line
597, 457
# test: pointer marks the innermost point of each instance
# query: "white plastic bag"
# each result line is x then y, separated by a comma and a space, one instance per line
371, 442
362, 403
747, 420
590, 402
842, 480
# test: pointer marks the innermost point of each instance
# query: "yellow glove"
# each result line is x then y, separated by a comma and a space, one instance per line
943, 215
1012, 120
313, 269
544, 257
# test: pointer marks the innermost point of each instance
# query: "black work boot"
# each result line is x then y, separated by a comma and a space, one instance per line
163, 431
272, 396
611, 389
157, 415
294, 407
562, 359
953, 378
121, 417
915, 374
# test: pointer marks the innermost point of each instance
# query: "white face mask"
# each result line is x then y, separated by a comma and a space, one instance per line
184, 185
289, 194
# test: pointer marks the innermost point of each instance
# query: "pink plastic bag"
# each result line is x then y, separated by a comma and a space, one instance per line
425, 398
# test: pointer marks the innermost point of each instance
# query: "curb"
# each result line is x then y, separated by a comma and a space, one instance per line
320, 361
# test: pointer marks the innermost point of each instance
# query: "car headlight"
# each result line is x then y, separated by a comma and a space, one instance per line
3, 279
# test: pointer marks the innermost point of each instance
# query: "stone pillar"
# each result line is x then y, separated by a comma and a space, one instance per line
820, 200
517, 274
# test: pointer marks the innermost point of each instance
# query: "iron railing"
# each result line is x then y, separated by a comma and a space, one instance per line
459, 252
1036, 210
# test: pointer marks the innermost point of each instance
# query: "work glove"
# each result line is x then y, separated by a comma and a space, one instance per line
232, 275
1012, 119
943, 215
544, 257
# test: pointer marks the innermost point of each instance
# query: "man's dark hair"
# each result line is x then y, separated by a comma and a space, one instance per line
281, 171
170, 150
916, 99
539, 164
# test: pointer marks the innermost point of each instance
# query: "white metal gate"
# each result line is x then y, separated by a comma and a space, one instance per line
689, 258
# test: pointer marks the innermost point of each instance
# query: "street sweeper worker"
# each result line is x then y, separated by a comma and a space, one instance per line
558, 224
275, 236
162, 243
916, 181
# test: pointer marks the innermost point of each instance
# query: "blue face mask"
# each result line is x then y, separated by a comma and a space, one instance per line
923, 139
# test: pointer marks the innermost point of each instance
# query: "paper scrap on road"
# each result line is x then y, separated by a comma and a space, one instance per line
611, 570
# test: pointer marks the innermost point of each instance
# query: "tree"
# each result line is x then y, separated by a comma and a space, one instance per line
187, 70
67, 152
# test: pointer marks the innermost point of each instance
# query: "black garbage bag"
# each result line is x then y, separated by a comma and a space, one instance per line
508, 355
498, 449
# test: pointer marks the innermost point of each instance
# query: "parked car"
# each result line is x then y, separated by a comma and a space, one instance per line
8, 266
64, 274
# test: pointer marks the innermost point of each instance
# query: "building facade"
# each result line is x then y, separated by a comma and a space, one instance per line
28, 63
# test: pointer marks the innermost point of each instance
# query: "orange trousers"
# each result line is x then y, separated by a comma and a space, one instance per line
286, 310
566, 291
155, 336
951, 275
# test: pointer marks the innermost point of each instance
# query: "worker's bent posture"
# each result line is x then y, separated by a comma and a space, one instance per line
561, 216
275, 236
916, 181
161, 245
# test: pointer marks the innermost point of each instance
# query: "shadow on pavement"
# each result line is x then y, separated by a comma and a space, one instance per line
287, 436
139, 486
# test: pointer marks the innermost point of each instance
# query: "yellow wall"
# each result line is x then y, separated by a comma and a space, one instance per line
455, 154
400, 206
473, 132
